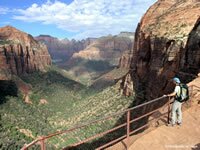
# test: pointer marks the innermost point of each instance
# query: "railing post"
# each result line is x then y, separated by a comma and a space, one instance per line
128, 127
168, 117
42, 144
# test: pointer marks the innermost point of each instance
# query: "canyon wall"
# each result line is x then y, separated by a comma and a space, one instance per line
20, 53
62, 50
167, 44
108, 48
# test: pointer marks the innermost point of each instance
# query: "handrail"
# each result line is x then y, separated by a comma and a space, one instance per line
146, 103
129, 121
30, 144
100, 134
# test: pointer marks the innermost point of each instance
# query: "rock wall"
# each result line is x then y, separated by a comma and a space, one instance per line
63, 49
20, 53
192, 59
108, 48
166, 45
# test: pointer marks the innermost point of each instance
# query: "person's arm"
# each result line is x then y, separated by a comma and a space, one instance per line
172, 94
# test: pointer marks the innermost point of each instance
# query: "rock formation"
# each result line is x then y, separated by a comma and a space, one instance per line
20, 53
108, 48
167, 44
62, 50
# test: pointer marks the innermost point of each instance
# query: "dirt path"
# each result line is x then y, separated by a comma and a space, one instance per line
185, 137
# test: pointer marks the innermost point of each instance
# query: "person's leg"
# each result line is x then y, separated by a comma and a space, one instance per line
179, 113
174, 108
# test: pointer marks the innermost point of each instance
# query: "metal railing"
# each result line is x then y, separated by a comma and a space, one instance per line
127, 124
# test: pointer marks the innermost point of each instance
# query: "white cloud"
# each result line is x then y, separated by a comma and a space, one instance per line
3, 10
87, 18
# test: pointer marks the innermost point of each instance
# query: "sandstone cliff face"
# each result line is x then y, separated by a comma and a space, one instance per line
166, 44
63, 49
20, 53
108, 48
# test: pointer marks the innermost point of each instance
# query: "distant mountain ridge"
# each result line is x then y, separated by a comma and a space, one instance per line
127, 34
107, 48
63, 49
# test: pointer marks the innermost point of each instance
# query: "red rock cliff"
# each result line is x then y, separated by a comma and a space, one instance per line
167, 43
63, 49
20, 53
108, 48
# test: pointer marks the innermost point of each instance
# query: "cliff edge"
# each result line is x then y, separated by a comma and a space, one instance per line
20, 53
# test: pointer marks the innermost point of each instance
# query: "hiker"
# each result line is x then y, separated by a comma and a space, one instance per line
176, 106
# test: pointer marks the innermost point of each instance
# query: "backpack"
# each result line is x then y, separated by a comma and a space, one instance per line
184, 93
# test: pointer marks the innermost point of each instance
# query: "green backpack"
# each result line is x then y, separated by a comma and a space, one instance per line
184, 93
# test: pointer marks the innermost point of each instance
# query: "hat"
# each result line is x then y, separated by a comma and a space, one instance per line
177, 80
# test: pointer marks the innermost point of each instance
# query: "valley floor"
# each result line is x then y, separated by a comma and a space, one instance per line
67, 103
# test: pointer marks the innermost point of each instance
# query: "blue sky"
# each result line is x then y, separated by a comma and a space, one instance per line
77, 19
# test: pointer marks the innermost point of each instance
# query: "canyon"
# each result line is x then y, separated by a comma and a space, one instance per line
89, 48
100, 57
165, 44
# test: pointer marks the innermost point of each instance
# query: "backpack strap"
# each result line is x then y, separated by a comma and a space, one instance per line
179, 98
180, 90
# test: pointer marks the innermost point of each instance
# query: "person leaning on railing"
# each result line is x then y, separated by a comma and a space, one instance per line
176, 106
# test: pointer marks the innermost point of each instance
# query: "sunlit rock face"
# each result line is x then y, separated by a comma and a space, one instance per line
20, 53
63, 49
108, 48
